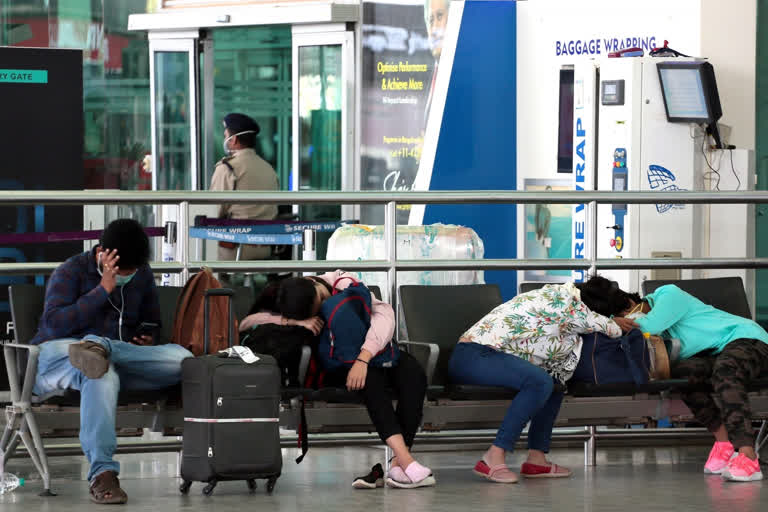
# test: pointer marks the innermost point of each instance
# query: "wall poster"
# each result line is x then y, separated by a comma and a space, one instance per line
402, 41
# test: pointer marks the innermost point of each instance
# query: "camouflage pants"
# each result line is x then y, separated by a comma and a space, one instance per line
729, 374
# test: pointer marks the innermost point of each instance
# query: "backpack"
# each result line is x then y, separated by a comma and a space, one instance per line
188, 325
606, 360
347, 315
283, 342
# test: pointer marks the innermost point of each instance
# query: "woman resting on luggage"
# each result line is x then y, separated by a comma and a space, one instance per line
717, 349
529, 344
298, 302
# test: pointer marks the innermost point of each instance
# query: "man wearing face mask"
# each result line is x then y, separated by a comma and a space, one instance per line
91, 341
243, 169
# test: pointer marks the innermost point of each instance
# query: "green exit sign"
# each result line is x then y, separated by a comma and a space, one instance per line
24, 76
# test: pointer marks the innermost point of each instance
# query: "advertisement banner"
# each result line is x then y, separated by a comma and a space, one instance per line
402, 40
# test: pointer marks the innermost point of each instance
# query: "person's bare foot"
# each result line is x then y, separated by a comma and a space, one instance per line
495, 456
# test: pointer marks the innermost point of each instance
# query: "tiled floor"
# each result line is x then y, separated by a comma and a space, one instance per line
625, 480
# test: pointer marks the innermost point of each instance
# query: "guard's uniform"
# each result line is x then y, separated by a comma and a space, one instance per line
245, 170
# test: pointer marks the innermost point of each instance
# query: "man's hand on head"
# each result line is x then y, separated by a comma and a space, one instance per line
108, 261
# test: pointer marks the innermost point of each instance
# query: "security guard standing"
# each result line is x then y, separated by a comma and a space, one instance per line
243, 169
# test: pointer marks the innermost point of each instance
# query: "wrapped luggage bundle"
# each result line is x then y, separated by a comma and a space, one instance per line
434, 242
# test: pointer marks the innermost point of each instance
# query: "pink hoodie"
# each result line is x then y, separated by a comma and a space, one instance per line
382, 315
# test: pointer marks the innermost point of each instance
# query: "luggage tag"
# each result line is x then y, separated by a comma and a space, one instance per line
244, 353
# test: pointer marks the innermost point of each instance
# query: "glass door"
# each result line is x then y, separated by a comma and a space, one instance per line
248, 70
323, 107
173, 74
173, 82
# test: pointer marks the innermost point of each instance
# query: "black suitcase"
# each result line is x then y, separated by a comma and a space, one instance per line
231, 417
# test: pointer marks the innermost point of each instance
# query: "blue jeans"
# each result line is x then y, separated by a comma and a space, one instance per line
480, 365
132, 367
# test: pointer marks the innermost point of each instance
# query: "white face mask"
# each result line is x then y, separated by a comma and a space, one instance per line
637, 312
226, 141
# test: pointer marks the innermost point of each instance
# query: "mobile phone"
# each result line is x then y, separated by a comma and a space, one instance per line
146, 328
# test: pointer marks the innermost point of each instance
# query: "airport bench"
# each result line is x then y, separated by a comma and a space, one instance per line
31, 417
441, 314
436, 316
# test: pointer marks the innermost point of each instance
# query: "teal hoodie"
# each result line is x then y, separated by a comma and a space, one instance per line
677, 314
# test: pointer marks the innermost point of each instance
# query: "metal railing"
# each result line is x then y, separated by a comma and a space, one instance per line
391, 200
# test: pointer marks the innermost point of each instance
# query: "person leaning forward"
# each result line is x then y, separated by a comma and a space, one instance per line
91, 340
243, 169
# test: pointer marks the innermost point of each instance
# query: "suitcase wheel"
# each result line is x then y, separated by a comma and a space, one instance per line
208, 489
271, 484
251, 485
184, 487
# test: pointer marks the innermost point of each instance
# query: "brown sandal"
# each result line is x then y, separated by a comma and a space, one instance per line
90, 358
105, 489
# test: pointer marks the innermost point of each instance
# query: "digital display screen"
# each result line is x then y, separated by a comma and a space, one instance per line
612, 92
619, 183
565, 123
684, 93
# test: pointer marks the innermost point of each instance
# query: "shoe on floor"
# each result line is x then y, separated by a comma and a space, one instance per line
499, 473
397, 473
743, 469
90, 358
415, 475
372, 480
529, 470
105, 489
719, 456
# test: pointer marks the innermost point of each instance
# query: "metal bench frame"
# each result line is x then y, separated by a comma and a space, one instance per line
29, 418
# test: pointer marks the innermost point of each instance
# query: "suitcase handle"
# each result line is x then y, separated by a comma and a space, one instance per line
218, 292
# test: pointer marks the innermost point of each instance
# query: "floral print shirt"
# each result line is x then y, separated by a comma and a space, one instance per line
543, 327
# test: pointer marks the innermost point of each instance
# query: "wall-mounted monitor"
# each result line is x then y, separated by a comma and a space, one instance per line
690, 93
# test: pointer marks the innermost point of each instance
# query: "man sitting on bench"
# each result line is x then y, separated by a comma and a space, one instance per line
91, 342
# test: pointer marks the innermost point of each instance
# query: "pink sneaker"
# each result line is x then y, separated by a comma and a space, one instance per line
415, 475
743, 469
719, 456
397, 473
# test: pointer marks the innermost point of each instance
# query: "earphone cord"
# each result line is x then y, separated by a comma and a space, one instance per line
122, 303
119, 310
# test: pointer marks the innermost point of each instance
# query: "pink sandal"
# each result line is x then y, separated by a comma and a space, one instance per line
529, 470
499, 473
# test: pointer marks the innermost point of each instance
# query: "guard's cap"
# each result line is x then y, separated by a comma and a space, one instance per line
237, 123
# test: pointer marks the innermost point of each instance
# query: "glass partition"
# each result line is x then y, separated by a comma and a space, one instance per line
251, 74
172, 98
323, 118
